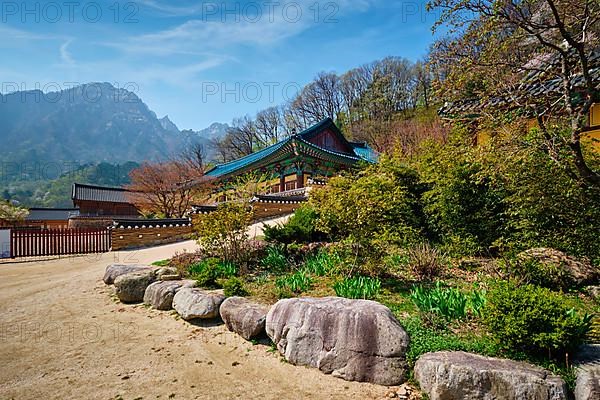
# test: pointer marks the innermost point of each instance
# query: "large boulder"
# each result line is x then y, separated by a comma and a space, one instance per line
115, 270
244, 317
578, 271
160, 294
192, 303
357, 340
587, 385
130, 288
458, 375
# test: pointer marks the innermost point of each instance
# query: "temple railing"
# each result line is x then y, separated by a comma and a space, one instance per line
289, 193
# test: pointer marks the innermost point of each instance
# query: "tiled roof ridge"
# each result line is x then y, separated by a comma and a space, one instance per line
90, 186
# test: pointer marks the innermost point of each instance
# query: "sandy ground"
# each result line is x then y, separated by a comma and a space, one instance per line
256, 230
63, 336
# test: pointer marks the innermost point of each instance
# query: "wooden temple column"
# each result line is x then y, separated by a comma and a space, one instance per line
299, 179
281, 181
299, 175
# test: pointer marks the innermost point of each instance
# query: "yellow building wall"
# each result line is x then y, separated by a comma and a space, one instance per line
592, 138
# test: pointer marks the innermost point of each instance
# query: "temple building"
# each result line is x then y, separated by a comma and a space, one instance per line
541, 87
318, 152
301, 160
100, 201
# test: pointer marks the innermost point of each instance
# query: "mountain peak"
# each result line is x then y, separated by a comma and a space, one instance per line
168, 125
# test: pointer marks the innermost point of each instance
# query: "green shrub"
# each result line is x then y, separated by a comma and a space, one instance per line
372, 209
358, 287
425, 261
322, 263
224, 232
528, 270
424, 339
293, 284
533, 319
209, 271
161, 263
234, 286
450, 303
300, 228
463, 206
275, 260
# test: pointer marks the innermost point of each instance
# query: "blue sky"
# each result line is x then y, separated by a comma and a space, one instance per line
203, 62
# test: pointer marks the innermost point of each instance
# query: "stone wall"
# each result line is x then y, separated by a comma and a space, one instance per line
128, 238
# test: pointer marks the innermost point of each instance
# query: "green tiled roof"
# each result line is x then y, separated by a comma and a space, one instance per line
364, 151
361, 151
232, 166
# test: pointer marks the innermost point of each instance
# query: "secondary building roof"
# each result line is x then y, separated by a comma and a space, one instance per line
99, 193
306, 142
540, 82
51, 214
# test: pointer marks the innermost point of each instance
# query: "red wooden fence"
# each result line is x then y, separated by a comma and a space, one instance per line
55, 242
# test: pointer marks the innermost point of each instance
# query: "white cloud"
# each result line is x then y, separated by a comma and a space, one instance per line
8, 33
65, 55
247, 27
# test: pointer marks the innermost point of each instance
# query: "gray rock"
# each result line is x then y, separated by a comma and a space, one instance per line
130, 288
457, 375
160, 294
192, 303
115, 270
168, 272
357, 340
579, 271
244, 317
587, 385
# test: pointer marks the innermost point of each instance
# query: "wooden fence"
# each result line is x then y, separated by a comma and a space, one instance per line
53, 242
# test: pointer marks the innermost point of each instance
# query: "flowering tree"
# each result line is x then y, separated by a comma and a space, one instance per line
165, 189
11, 214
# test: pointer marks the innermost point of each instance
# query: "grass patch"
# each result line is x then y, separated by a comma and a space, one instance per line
358, 287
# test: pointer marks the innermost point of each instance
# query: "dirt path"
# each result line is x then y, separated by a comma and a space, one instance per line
63, 336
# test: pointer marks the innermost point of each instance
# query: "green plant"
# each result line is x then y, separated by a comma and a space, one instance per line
223, 232
477, 301
300, 228
183, 261
234, 286
450, 303
161, 263
294, 284
424, 339
425, 261
533, 319
275, 259
208, 272
373, 208
358, 287
528, 270
322, 263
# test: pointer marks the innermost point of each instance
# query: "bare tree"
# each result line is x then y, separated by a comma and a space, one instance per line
166, 189
269, 125
195, 156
